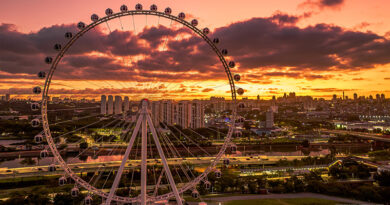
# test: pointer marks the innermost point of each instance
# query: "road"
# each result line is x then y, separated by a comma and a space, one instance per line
371, 136
216, 200
114, 165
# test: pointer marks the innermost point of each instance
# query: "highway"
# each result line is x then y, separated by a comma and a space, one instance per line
114, 165
370, 136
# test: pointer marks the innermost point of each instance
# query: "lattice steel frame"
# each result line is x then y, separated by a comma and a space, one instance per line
45, 96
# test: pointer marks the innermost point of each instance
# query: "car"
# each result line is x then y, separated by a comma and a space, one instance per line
8, 170
40, 169
248, 159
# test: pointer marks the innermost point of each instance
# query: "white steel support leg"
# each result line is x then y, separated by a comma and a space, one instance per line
144, 150
124, 160
164, 161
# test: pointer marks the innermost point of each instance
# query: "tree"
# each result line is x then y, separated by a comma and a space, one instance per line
305, 143
247, 125
63, 199
383, 178
83, 145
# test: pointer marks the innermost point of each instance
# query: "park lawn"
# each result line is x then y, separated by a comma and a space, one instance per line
297, 201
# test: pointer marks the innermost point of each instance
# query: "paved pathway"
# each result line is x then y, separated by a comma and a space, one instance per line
215, 200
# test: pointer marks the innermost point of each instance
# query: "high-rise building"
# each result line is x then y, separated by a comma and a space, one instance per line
197, 114
156, 112
167, 112
269, 119
378, 96
334, 97
355, 96
118, 105
184, 113
103, 105
218, 104
126, 104
383, 96
110, 105
7, 97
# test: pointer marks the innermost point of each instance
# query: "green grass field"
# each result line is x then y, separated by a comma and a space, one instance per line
298, 201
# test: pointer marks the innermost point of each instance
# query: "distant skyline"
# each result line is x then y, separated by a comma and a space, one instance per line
311, 47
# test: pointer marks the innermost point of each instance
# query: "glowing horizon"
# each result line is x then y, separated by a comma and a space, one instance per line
317, 48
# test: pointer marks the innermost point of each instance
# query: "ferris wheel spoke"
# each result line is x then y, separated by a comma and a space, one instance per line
189, 138
164, 161
168, 154
176, 154
81, 128
111, 171
135, 157
112, 151
181, 143
218, 132
152, 157
85, 150
122, 166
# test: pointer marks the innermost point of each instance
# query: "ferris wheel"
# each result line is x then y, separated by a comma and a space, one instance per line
165, 174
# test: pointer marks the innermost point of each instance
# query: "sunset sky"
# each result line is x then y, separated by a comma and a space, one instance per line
311, 47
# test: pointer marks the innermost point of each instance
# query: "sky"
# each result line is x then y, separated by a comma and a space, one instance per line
311, 47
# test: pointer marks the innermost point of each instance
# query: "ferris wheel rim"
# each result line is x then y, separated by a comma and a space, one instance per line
46, 126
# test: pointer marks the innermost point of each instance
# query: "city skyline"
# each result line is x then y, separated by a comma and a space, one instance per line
319, 69
194, 102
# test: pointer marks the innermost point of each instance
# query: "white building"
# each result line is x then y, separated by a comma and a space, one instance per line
197, 114
187, 114
184, 113
110, 105
118, 105
126, 104
167, 109
103, 105
156, 112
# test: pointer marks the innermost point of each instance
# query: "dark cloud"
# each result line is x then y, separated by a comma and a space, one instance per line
331, 2
283, 18
259, 44
321, 4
